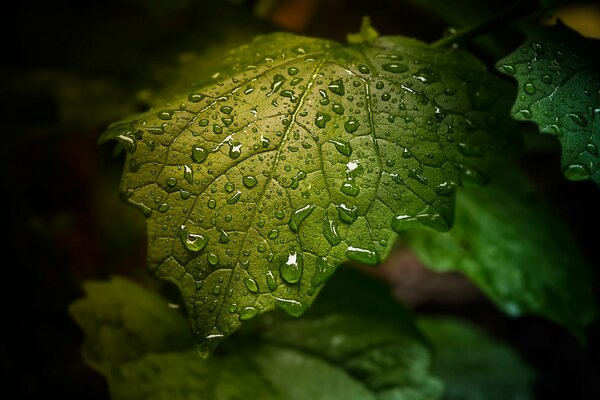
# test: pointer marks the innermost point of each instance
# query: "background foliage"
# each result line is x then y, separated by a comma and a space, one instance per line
73, 67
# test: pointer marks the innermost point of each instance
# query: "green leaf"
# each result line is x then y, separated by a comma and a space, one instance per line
303, 154
559, 89
130, 338
472, 365
512, 245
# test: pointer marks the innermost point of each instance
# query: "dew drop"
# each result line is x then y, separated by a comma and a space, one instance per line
576, 172
427, 76
226, 110
291, 269
224, 238
212, 203
212, 259
578, 118
337, 87
395, 68
229, 187
347, 214
234, 198
294, 308
165, 115
273, 233
195, 97
271, 281
592, 149
363, 69
279, 214
250, 181
299, 215
248, 313
351, 125
292, 71
343, 147
509, 69
251, 285
330, 232
322, 119
199, 154
529, 88
296, 179
338, 108
191, 241
365, 256
547, 79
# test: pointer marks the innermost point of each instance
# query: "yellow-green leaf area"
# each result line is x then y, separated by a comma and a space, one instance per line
300, 155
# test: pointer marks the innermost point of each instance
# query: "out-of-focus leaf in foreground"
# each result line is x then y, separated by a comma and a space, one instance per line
558, 72
474, 366
144, 349
510, 243
299, 155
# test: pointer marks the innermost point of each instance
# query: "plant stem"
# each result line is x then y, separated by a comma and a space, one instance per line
505, 16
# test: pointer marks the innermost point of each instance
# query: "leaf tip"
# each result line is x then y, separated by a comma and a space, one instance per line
367, 33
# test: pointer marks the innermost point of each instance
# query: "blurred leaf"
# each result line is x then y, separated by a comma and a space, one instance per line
512, 245
472, 365
145, 351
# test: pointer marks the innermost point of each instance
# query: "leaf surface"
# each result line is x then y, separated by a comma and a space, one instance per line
510, 243
474, 366
299, 155
558, 72
145, 350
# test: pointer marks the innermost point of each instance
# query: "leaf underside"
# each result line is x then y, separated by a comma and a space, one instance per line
300, 155
558, 72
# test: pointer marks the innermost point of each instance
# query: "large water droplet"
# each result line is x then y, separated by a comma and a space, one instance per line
337, 87
251, 285
224, 237
347, 214
351, 125
365, 256
350, 188
271, 281
212, 259
330, 232
294, 308
292, 71
395, 68
529, 88
322, 119
165, 115
291, 269
234, 198
192, 241
250, 181
578, 118
299, 215
343, 147
199, 154
296, 179
248, 313
577, 172
273, 233
338, 108
427, 76
195, 97
278, 81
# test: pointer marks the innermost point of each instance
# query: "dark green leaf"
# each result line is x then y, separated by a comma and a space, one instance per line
472, 365
144, 350
559, 89
511, 244
303, 154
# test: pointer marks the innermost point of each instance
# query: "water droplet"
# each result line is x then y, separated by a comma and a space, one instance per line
279, 214
291, 269
235, 149
537, 47
212, 203
234, 198
351, 125
229, 187
347, 214
203, 122
350, 188
525, 113
577, 172
195, 97
278, 81
338, 108
292, 71
184, 194
547, 79
296, 179
271, 281
216, 290
418, 176
226, 110
224, 238
343, 147
248, 313
468, 150
449, 91
509, 69
251, 285
250, 181
165, 115
529, 88
337, 87
299, 215
191, 241
364, 69
427, 76
292, 307
199, 154
273, 233
188, 174
390, 163
212, 259
379, 85
578, 118
365, 256
592, 149
445, 189
330, 232
322, 119
171, 182
164, 207
395, 68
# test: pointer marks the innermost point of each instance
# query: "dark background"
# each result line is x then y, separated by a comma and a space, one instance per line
71, 68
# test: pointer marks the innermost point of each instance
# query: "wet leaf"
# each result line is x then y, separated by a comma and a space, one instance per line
558, 72
300, 155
